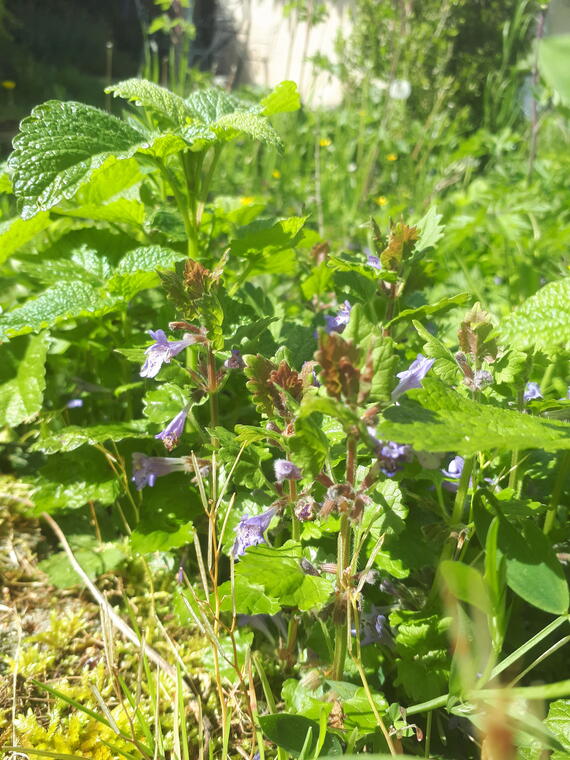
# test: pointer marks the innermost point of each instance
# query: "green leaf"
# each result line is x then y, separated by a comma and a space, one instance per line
250, 598
387, 512
279, 572
61, 302
290, 732
150, 95
146, 540
428, 309
73, 437
147, 259
93, 558
558, 721
23, 380
466, 583
553, 57
161, 404
436, 418
210, 105
283, 99
533, 570
69, 481
430, 229
251, 434
309, 445
57, 149
549, 308
14, 233
268, 236
251, 124
121, 211
358, 712
422, 658
115, 177
445, 366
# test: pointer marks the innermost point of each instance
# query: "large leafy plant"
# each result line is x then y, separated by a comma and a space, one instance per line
373, 484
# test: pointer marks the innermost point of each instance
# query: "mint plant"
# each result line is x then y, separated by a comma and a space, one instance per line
360, 511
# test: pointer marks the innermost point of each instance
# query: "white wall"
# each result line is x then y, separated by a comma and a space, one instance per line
276, 47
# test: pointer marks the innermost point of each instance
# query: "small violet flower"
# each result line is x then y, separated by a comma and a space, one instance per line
285, 470
235, 361
531, 392
162, 351
453, 472
340, 321
482, 379
172, 432
305, 509
250, 530
374, 261
147, 469
392, 457
413, 376
374, 629
74, 403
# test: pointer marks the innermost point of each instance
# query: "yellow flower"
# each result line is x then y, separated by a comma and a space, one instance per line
7, 84
391, 157
381, 200
247, 200
276, 174
324, 142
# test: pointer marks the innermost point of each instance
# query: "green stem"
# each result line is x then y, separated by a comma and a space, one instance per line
343, 562
561, 479
462, 489
205, 185
295, 523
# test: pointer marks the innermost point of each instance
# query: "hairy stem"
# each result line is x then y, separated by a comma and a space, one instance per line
343, 562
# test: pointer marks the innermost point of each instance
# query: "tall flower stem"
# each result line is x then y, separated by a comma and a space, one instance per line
343, 562
213, 393
293, 627
462, 489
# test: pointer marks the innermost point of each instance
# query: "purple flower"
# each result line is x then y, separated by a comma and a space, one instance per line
392, 457
413, 376
340, 321
531, 392
285, 470
305, 509
373, 629
453, 472
374, 261
162, 351
147, 469
235, 361
74, 403
250, 530
482, 379
172, 432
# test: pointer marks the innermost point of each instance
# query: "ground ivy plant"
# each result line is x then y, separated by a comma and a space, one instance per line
366, 515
